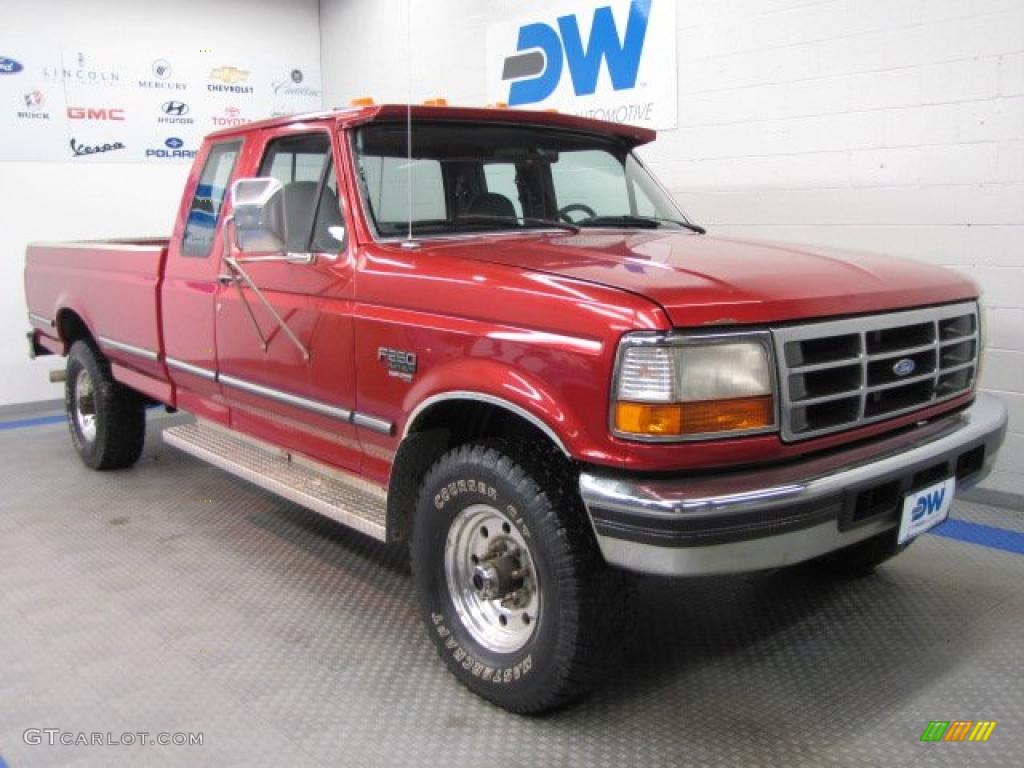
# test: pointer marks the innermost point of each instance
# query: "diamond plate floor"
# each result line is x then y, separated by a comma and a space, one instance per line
173, 597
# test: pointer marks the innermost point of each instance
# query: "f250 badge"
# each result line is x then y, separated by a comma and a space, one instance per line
401, 364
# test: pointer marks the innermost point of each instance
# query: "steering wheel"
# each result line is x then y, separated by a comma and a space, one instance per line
563, 213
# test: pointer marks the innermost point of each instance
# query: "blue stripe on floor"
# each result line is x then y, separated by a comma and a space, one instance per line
36, 422
985, 535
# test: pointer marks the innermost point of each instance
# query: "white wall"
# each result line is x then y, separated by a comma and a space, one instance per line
890, 125
65, 201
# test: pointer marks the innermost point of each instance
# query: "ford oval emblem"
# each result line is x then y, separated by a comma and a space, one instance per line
904, 367
9, 66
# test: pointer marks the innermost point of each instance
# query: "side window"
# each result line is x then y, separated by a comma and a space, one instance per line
299, 163
590, 177
208, 199
501, 178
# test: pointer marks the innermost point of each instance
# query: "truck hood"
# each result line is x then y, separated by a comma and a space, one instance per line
707, 280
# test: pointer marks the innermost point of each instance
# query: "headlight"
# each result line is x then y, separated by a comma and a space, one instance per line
693, 387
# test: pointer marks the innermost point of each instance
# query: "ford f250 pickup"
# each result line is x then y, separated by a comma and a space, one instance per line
492, 334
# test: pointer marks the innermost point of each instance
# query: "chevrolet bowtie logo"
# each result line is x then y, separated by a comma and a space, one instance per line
230, 75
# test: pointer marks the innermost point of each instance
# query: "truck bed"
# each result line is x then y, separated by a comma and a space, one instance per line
113, 286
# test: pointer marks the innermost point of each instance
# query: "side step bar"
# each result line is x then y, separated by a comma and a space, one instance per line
346, 498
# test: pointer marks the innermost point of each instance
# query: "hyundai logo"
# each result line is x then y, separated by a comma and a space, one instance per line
174, 108
174, 143
904, 367
9, 66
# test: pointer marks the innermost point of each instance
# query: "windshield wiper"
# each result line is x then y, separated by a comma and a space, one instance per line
510, 220
645, 222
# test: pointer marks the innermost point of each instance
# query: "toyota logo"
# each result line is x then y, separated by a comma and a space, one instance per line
178, 108
904, 367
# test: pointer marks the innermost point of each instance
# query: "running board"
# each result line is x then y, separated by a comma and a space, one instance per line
348, 499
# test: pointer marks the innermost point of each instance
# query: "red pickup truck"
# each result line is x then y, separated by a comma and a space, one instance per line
503, 342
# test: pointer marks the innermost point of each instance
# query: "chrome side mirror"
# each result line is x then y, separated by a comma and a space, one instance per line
258, 211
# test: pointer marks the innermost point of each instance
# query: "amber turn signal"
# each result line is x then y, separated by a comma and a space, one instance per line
362, 101
739, 414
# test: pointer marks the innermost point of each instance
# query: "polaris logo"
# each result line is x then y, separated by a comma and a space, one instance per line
174, 150
615, 61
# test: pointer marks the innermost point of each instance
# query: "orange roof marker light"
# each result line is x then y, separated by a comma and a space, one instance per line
438, 102
551, 109
362, 101
498, 105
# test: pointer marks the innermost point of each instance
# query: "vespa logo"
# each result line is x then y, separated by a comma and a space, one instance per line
536, 67
904, 367
928, 504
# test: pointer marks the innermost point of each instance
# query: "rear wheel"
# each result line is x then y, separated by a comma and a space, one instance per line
515, 594
106, 419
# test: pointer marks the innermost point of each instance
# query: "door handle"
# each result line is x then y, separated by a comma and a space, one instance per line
227, 279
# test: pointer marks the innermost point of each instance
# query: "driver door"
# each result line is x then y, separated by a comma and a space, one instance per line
295, 386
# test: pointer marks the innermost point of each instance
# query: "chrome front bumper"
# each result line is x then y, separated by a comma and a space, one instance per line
780, 515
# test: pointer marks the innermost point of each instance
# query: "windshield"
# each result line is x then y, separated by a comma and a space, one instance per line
489, 177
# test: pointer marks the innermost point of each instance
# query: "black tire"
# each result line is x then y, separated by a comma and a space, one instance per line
584, 606
115, 436
860, 559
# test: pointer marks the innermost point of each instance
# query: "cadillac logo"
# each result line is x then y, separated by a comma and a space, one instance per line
904, 367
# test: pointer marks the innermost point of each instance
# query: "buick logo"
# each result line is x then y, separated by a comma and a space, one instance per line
904, 367
34, 99
177, 108
161, 69
174, 143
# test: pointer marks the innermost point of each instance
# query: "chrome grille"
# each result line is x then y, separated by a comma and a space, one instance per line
841, 374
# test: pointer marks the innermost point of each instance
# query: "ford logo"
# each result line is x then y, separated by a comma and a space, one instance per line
9, 66
904, 367
176, 143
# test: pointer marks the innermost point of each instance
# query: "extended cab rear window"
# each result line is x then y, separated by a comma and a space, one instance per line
208, 199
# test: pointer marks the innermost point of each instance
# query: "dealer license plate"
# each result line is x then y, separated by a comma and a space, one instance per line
924, 509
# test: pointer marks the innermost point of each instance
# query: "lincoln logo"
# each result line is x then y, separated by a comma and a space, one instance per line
904, 367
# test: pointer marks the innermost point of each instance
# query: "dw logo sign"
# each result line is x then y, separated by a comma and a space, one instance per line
612, 61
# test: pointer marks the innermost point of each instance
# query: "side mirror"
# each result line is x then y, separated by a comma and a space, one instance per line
261, 225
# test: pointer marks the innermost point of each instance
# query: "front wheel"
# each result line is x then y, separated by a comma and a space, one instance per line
515, 594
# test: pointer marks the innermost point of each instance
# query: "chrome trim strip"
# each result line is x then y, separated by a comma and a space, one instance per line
372, 423
461, 394
285, 397
45, 322
144, 244
131, 349
195, 370
776, 489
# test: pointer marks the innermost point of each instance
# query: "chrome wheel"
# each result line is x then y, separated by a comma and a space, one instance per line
491, 578
85, 406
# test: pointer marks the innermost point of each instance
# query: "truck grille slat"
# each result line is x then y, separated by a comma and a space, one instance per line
842, 374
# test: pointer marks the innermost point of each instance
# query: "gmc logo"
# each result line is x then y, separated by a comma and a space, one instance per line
94, 113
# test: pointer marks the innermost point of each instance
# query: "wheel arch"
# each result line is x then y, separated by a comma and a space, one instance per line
444, 421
